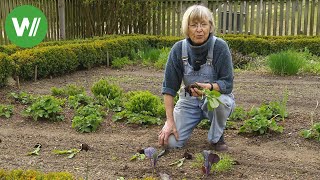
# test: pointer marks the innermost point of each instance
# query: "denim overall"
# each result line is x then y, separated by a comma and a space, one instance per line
189, 110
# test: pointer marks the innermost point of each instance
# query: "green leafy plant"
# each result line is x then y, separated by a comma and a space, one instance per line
286, 62
260, 125
314, 131
142, 107
69, 90
6, 110
22, 97
79, 100
46, 107
162, 60
119, 63
107, 94
238, 114
88, 118
225, 164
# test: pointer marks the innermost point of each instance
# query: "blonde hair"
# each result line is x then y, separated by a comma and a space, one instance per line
196, 12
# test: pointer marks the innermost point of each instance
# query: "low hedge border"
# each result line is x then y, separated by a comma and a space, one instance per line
61, 57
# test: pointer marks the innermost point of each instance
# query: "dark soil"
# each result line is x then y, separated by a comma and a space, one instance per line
271, 156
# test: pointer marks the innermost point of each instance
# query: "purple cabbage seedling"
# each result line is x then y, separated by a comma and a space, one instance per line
152, 154
209, 159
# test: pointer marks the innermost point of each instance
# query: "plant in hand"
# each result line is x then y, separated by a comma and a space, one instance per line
212, 96
6, 110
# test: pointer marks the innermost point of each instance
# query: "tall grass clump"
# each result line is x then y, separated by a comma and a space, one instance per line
286, 62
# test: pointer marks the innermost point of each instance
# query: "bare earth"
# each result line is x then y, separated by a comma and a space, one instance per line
273, 156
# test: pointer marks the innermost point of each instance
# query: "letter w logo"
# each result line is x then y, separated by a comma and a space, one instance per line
25, 25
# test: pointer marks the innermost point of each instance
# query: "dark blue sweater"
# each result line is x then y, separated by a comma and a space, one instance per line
222, 63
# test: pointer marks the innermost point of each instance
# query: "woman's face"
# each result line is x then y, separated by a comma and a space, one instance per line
198, 31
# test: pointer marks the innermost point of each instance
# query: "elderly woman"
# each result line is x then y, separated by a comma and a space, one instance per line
201, 59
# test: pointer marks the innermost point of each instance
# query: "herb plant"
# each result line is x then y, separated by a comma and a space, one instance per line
22, 97
142, 107
6, 110
69, 90
79, 100
88, 118
312, 133
46, 107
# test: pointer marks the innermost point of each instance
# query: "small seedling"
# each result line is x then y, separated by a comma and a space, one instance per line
36, 150
153, 155
179, 162
209, 159
71, 152
138, 156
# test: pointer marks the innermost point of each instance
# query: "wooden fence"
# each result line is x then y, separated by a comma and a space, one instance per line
70, 19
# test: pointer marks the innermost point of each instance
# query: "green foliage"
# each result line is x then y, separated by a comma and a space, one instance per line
143, 101
225, 164
6, 110
312, 133
162, 60
286, 62
143, 118
260, 125
22, 97
69, 90
119, 63
46, 107
32, 174
50, 61
204, 124
102, 87
142, 107
238, 114
88, 118
87, 55
213, 99
149, 56
79, 100
6, 68
264, 119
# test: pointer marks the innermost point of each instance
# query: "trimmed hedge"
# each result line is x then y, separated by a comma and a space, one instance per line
6, 67
61, 57
32, 174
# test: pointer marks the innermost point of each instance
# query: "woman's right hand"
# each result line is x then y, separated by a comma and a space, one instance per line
168, 129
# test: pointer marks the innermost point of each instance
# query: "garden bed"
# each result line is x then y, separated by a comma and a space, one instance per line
271, 156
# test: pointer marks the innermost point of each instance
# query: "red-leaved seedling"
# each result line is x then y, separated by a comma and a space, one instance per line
209, 159
152, 154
